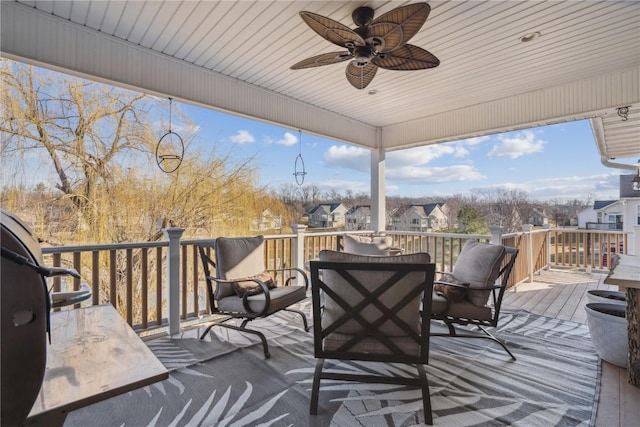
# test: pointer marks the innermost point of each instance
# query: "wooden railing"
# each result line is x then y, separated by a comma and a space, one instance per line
135, 277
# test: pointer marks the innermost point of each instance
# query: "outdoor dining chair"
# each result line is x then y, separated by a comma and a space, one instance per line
239, 286
367, 308
462, 297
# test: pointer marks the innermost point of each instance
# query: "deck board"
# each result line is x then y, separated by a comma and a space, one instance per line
563, 295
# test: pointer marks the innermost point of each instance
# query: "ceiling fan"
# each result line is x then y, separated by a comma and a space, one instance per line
376, 43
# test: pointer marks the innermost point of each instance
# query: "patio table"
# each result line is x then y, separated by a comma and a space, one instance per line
626, 274
94, 355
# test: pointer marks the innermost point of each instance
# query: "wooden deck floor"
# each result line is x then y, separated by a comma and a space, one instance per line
563, 294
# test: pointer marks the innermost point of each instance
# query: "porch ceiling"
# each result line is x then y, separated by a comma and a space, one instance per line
235, 57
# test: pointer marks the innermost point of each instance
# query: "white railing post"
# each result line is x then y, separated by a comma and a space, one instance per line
547, 227
496, 234
173, 277
527, 229
298, 249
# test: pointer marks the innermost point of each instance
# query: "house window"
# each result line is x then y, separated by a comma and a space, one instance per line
638, 209
599, 217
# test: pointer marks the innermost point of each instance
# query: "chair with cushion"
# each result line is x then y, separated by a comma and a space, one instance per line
242, 287
368, 245
367, 308
462, 296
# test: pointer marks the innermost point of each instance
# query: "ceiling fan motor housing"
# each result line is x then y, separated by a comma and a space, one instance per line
362, 16
362, 55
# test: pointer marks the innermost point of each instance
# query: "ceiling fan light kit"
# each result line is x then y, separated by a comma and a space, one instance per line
375, 43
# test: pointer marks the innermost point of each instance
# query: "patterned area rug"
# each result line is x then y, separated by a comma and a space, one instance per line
225, 381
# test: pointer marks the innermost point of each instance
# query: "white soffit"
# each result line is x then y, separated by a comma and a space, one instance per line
235, 57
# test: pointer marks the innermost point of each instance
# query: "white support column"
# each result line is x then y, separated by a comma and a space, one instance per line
298, 249
527, 229
173, 277
378, 202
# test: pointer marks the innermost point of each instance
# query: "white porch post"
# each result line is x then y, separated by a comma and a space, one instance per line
298, 249
378, 206
527, 229
173, 277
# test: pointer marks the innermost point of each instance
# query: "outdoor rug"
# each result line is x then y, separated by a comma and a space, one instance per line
224, 380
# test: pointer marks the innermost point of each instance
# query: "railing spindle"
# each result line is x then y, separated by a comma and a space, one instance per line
129, 290
113, 298
144, 288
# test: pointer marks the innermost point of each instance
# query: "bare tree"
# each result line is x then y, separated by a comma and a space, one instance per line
98, 142
509, 208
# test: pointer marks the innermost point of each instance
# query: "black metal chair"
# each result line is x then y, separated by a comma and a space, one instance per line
462, 297
367, 308
242, 288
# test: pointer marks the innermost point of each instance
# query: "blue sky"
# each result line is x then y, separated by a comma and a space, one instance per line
556, 161
551, 162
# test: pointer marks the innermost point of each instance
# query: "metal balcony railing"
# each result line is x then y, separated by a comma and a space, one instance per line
161, 284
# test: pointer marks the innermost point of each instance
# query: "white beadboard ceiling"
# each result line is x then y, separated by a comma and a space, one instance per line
235, 56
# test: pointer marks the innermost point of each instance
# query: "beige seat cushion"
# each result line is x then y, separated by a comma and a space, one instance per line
479, 265
281, 297
236, 258
463, 309
365, 245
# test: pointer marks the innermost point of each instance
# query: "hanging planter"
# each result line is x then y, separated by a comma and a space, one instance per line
170, 149
608, 329
299, 171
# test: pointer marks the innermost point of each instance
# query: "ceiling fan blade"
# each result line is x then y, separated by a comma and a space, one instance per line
324, 59
331, 30
397, 26
360, 77
407, 57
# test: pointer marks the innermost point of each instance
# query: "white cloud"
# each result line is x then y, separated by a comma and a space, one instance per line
288, 140
182, 128
425, 175
600, 186
475, 140
519, 145
348, 157
357, 158
342, 185
422, 155
242, 137
610, 177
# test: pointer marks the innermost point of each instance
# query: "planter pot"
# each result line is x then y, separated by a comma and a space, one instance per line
608, 329
607, 297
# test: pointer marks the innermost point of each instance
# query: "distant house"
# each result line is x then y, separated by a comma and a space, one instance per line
539, 217
427, 217
266, 221
328, 215
622, 214
358, 218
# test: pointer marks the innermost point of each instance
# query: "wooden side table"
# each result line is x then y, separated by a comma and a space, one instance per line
94, 355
